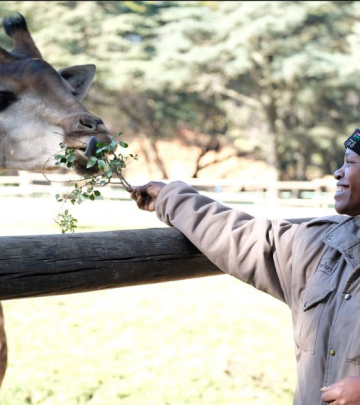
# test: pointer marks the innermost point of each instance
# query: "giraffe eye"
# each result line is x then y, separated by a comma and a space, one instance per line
6, 98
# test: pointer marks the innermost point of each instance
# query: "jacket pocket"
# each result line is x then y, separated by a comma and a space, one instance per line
312, 304
353, 354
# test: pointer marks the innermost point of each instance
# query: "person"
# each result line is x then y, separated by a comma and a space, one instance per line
313, 267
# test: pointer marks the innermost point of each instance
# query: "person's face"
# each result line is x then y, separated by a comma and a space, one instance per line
347, 196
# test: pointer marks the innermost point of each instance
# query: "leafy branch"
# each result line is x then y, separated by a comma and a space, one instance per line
109, 163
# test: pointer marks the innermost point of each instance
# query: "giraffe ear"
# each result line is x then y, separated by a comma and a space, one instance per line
79, 78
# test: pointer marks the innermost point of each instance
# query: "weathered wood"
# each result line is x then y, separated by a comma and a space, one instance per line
33, 266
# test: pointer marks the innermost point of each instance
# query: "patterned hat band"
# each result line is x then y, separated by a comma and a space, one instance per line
353, 142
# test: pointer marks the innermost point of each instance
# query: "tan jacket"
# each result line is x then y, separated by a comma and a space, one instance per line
313, 267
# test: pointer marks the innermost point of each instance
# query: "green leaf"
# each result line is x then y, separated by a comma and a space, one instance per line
101, 164
123, 144
112, 145
104, 149
91, 162
97, 193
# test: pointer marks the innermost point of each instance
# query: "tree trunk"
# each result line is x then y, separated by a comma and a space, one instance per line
145, 153
273, 160
158, 160
271, 114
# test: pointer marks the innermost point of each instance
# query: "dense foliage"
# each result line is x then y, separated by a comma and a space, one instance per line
275, 79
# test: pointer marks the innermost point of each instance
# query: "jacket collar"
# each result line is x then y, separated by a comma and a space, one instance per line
345, 235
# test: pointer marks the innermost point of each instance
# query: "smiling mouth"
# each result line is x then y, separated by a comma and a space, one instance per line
340, 190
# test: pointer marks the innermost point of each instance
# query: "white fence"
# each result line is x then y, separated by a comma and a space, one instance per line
316, 193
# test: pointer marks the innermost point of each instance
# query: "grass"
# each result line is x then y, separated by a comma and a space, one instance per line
206, 341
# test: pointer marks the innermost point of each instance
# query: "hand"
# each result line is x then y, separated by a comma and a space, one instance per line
343, 392
145, 196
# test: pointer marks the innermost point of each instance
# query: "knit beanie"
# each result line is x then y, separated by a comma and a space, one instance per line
353, 142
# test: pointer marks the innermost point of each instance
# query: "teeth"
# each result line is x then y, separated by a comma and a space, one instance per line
340, 188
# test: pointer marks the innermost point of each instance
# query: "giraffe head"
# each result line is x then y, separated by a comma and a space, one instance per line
41, 107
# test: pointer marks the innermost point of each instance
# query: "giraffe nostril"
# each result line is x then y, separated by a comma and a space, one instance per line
88, 122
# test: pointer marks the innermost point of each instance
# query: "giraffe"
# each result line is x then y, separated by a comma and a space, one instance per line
39, 109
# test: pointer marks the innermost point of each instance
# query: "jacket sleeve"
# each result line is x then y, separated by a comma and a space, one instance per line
255, 250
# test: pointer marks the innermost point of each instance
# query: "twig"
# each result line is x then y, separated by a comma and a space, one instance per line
124, 183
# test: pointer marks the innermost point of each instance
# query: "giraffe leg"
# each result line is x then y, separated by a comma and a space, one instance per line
3, 347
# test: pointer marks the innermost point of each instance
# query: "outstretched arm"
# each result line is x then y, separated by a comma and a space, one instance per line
257, 251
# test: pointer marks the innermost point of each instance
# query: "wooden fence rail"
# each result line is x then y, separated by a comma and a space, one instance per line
34, 266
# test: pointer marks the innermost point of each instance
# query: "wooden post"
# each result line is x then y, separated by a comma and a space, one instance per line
34, 266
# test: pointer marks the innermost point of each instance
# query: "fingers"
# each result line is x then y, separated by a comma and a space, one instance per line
139, 190
332, 393
328, 394
145, 188
143, 200
345, 391
145, 203
133, 194
146, 195
332, 386
153, 189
